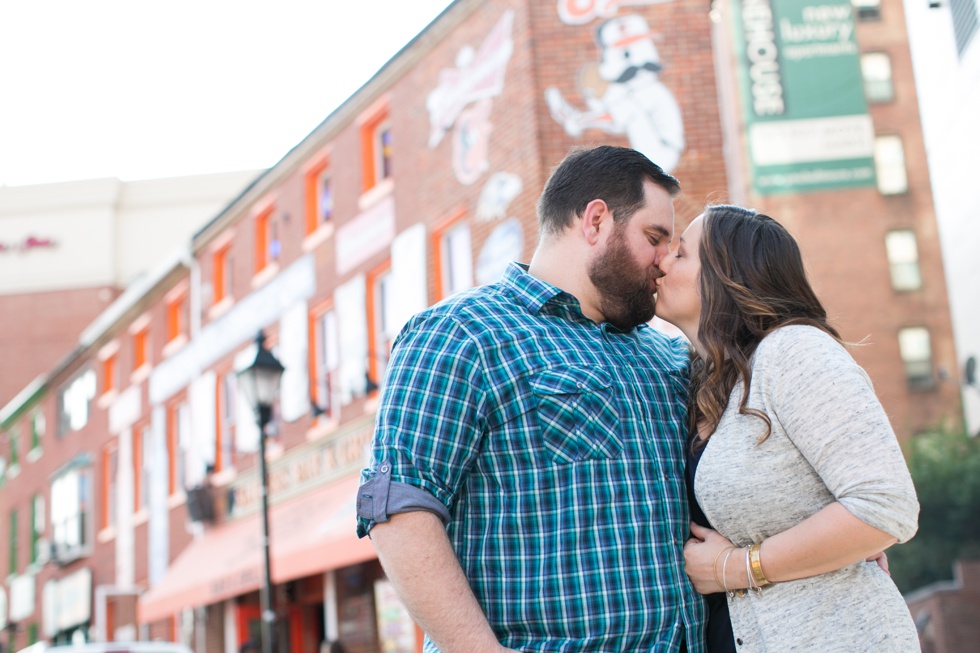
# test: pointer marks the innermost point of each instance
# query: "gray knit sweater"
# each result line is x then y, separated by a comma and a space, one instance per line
831, 441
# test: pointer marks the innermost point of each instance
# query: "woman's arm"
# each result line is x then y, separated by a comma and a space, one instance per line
830, 539
820, 399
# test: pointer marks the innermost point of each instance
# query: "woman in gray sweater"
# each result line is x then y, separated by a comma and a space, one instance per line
797, 468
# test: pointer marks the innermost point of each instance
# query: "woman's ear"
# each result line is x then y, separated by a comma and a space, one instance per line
595, 214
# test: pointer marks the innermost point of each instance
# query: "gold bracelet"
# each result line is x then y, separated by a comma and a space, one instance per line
714, 567
755, 559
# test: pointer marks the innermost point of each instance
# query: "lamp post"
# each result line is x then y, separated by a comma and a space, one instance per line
260, 383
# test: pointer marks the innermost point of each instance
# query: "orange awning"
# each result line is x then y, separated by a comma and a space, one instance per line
310, 534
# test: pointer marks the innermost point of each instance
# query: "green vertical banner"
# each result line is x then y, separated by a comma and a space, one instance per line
806, 117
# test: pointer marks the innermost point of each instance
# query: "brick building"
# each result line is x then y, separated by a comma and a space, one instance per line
68, 249
946, 54
946, 612
422, 184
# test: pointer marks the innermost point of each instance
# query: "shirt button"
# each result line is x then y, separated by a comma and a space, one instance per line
384, 468
739, 641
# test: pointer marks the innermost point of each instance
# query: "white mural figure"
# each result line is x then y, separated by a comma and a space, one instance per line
628, 96
462, 100
496, 196
580, 12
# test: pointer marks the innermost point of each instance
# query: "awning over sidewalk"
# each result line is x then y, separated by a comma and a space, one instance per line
310, 534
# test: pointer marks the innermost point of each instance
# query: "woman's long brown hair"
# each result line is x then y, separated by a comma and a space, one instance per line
752, 282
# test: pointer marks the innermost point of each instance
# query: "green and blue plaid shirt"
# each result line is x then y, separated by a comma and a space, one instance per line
553, 447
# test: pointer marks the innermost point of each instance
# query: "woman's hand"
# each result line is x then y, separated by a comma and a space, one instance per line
704, 556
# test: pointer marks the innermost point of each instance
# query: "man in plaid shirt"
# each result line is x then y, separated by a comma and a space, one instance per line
526, 488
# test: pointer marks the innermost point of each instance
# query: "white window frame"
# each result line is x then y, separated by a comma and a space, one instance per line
902, 251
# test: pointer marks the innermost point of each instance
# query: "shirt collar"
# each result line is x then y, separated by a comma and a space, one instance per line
534, 294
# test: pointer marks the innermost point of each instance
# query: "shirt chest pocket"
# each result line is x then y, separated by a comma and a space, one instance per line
576, 410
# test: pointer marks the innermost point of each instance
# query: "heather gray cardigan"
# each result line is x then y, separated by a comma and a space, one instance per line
830, 441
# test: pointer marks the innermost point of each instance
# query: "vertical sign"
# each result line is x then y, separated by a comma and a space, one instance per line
806, 117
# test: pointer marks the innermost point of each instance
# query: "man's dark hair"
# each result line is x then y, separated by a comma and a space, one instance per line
612, 174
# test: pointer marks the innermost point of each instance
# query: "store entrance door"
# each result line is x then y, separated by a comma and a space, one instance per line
290, 635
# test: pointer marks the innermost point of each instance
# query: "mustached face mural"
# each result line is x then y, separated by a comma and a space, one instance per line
624, 94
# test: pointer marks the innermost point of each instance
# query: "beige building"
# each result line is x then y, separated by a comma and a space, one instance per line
67, 250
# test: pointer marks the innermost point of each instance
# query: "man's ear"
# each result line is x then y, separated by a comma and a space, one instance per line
595, 214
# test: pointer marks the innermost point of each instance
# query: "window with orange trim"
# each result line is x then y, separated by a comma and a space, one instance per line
263, 239
178, 423
142, 452
225, 446
221, 273
453, 256
324, 351
319, 196
380, 318
376, 149
110, 373
177, 317
110, 472
141, 348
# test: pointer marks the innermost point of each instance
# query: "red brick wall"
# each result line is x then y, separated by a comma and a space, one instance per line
38, 329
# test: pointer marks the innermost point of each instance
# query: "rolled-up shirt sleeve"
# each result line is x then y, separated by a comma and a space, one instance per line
429, 423
828, 407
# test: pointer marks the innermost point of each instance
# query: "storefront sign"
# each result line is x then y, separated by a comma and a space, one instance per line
366, 235
304, 468
803, 97
27, 244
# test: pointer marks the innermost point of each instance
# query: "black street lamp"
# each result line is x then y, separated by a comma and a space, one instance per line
260, 383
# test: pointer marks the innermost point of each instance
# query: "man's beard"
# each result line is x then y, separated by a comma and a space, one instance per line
625, 299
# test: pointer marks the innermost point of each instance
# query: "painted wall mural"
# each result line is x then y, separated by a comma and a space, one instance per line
497, 194
580, 12
623, 92
463, 99
506, 242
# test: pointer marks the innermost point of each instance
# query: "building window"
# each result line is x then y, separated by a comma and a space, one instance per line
376, 149
867, 10
965, 23
110, 373
37, 430
225, 449
916, 352
37, 527
266, 240
13, 452
454, 259
142, 450
178, 440
380, 317
177, 314
141, 348
890, 165
326, 361
71, 513
12, 544
876, 71
903, 259
319, 196
74, 403
110, 488
221, 274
